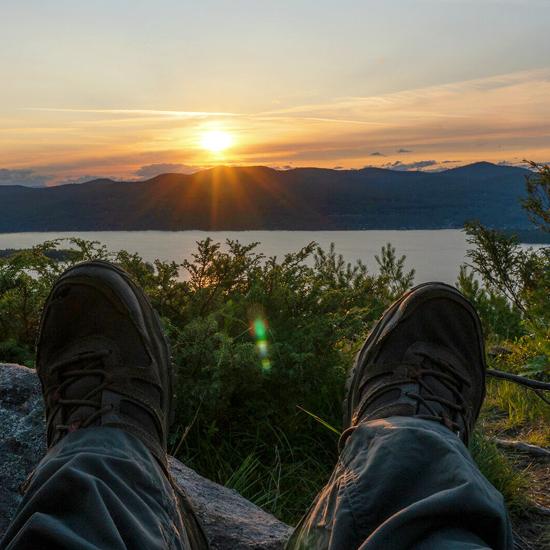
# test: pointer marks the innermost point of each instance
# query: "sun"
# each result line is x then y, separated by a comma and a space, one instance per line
216, 141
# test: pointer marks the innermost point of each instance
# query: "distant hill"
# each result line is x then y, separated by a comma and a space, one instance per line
242, 198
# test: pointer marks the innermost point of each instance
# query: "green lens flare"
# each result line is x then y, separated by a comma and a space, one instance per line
259, 329
262, 348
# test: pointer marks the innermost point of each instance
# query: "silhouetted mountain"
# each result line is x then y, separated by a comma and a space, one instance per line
99, 181
261, 198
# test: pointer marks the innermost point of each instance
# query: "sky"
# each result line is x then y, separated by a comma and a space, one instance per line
131, 88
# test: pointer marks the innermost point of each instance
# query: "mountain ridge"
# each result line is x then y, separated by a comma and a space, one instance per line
259, 197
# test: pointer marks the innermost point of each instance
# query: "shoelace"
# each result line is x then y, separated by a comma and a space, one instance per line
70, 376
446, 375
452, 380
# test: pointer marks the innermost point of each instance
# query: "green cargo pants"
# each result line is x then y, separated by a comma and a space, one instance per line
405, 483
99, 488
400, 483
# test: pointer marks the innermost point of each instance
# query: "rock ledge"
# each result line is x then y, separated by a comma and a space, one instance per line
230, 521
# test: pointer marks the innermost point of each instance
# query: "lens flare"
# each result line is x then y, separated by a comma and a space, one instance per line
259, 331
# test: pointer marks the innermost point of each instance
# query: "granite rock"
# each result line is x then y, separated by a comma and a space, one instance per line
229, 520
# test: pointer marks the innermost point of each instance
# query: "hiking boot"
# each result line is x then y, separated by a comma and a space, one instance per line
424, 358
103, 359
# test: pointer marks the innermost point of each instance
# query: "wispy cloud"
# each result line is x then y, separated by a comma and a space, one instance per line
131, 112
495, 118
25, 177
406, 166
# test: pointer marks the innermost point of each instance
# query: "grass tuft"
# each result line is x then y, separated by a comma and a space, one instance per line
500, 471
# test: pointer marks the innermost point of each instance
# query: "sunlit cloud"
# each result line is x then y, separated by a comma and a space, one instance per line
417, 165
132, 112
504, 117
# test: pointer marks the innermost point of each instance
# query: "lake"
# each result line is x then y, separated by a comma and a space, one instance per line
435, 254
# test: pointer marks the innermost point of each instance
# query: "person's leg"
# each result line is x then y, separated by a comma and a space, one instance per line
98, 488
105, 370
405, 483
404, 478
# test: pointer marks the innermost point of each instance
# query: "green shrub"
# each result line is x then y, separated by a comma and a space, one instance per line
263, 345
500, 319
240, 394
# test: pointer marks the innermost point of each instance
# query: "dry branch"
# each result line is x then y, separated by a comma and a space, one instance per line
523, 447
542, 510
527, 382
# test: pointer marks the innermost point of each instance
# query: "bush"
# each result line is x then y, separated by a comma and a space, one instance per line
500, 319
255, 341
261, 347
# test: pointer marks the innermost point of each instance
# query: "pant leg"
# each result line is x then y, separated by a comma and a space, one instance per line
405, 483
98, 488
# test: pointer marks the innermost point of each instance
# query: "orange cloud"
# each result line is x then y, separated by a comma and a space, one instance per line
498, 118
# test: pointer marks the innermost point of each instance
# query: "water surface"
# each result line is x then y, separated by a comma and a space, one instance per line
435, 254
